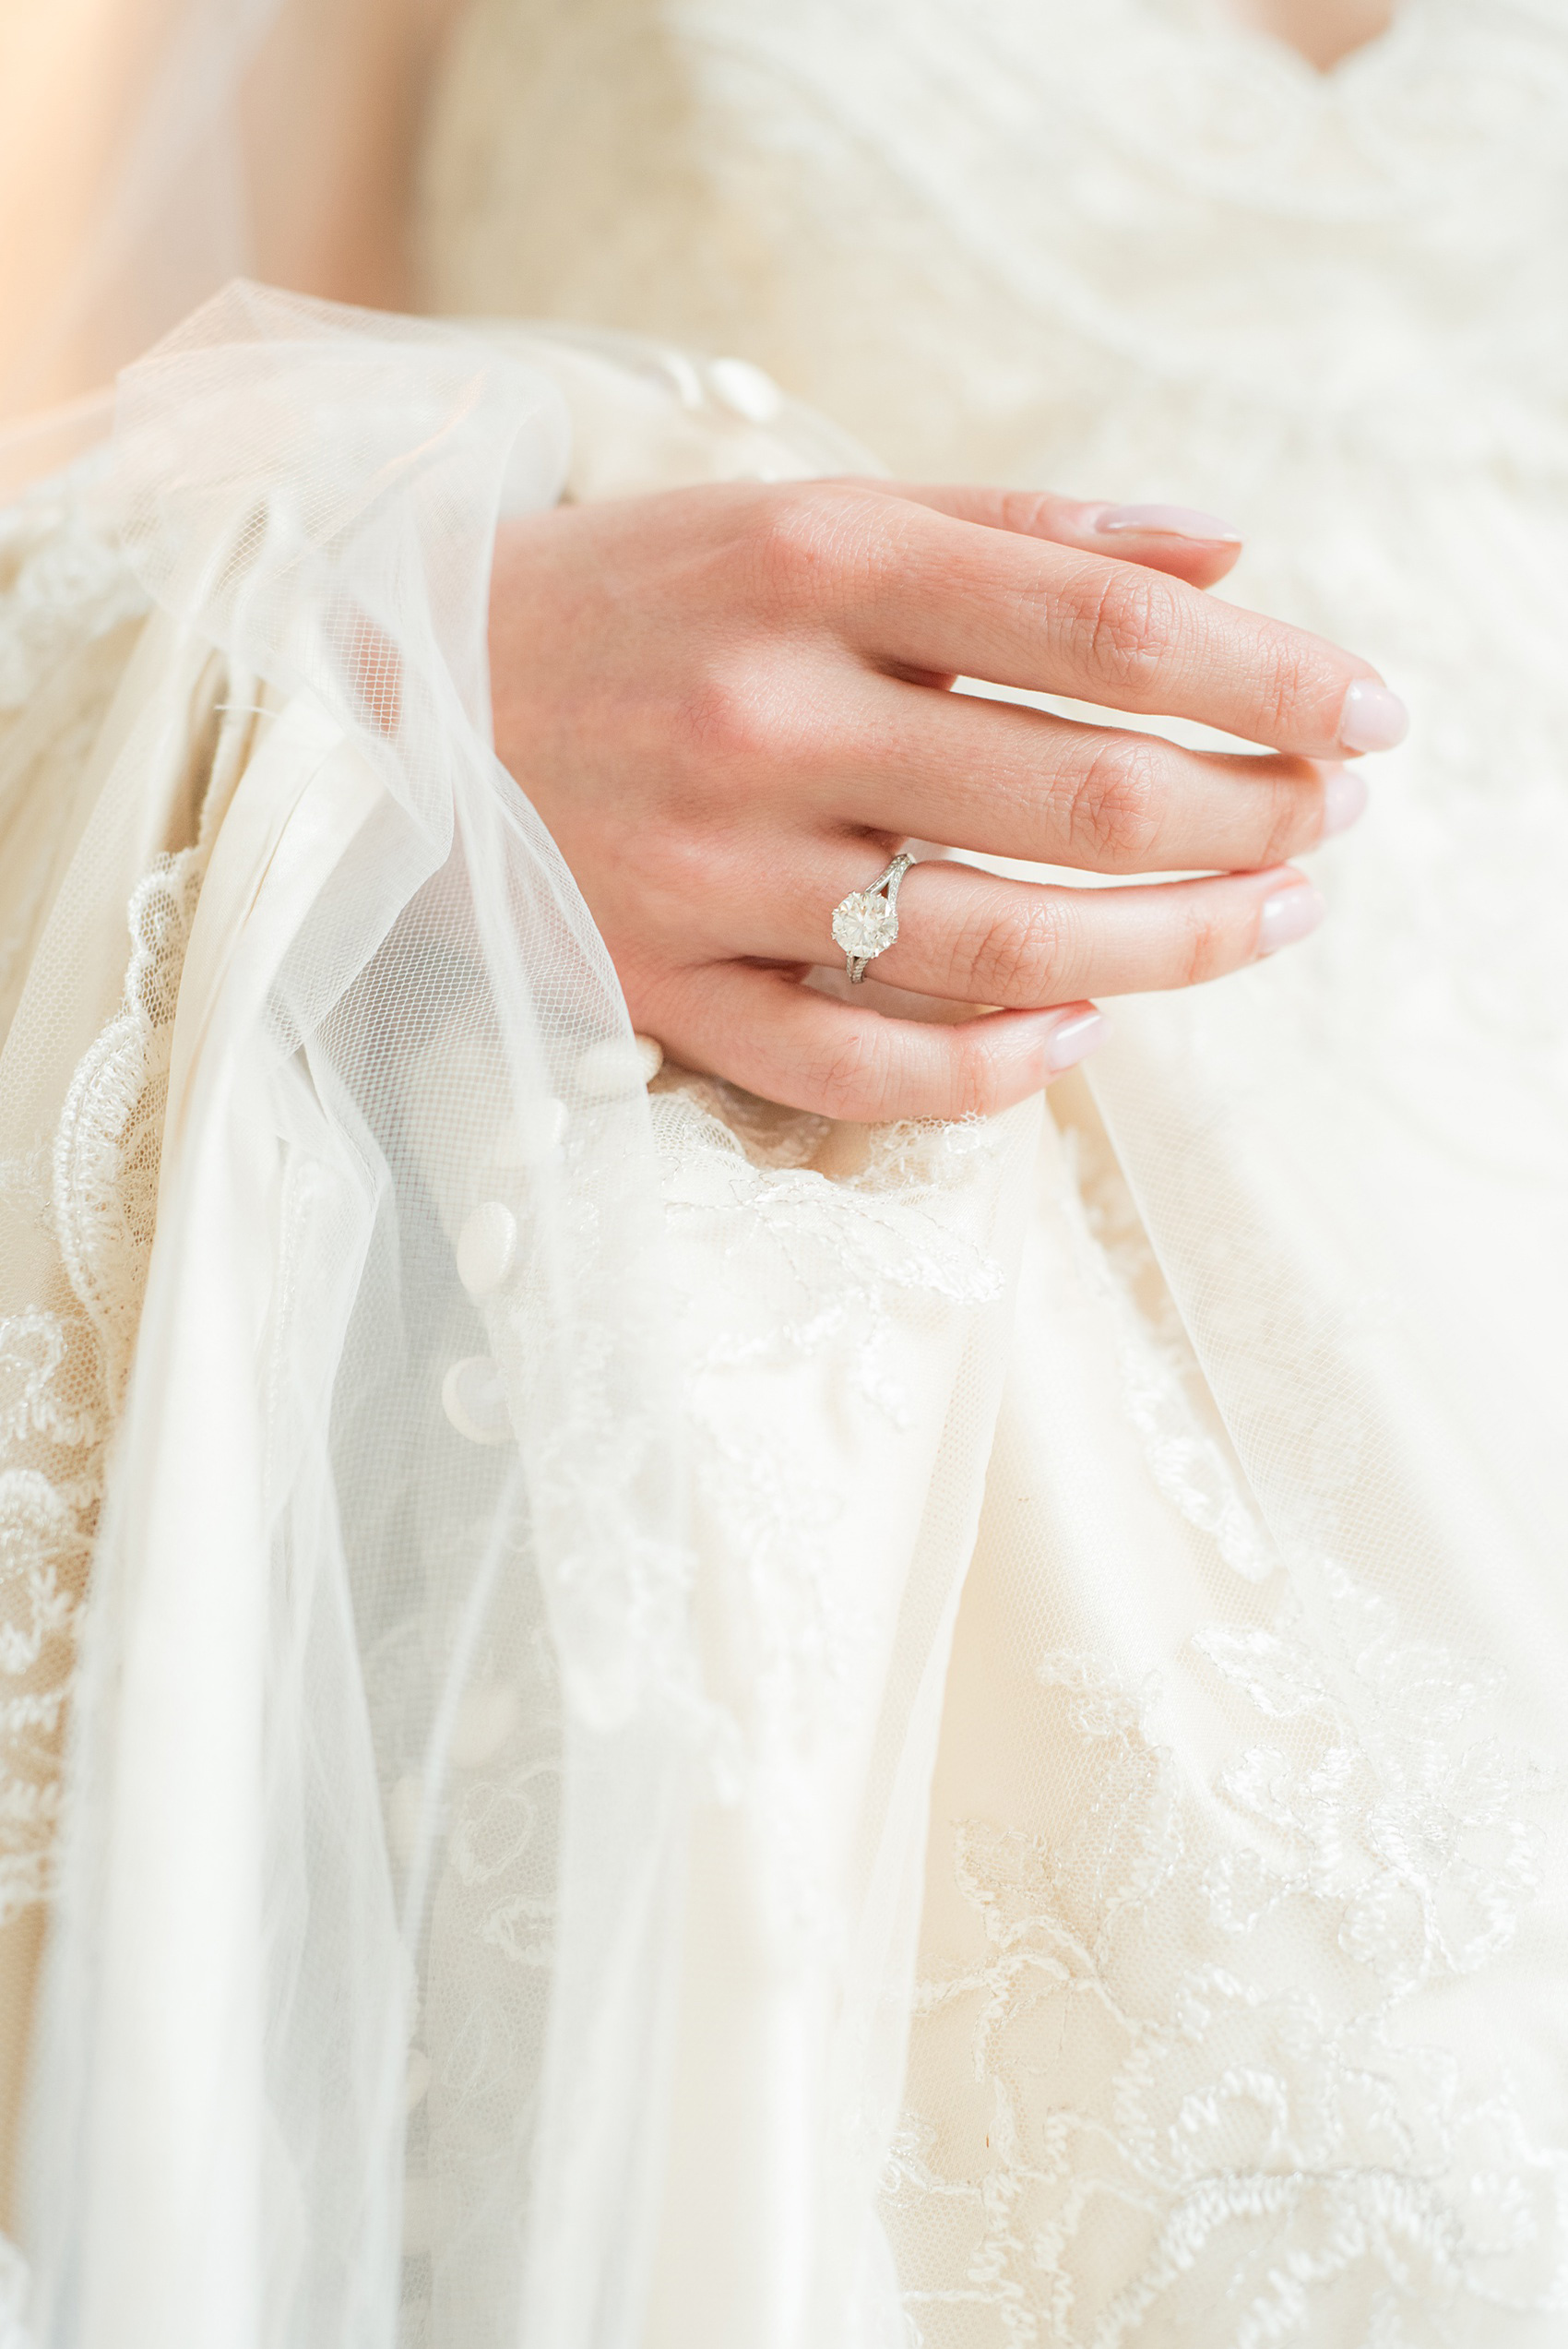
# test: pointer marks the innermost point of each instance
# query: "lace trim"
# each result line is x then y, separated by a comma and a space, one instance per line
63, 582
65, 1361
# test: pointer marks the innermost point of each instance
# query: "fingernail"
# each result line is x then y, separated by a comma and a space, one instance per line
1166, 522
1372, 718
1293, 915
1344, 798
1074, 1040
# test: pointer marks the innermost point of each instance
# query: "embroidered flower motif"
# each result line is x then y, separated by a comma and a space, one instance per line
1413, 1829
1252, 2138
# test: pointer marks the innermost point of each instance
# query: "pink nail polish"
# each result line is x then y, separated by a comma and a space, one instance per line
1372, 718
1344, 799
1289, 916
1074, 1040
1166, 521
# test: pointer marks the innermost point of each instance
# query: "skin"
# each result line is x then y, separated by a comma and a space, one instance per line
729, 705
1325, 31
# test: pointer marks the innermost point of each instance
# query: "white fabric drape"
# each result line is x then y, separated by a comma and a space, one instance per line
236, 1973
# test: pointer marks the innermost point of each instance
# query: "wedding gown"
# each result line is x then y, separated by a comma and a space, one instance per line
989, 1767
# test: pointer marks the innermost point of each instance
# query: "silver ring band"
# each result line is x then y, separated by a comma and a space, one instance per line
866, 922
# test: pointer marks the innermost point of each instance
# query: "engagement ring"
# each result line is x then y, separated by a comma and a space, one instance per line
866, 922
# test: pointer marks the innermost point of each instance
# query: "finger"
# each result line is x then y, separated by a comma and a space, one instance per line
940, 596
972, 936
1191, 545
1013, 781
765, 1031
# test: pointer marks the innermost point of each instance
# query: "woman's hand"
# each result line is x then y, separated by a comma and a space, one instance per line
728, 704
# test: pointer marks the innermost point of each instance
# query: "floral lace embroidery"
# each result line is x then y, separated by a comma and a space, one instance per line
1417, 1835
840, 1253
1251, 2140
1209, 2101
66, 1360
63, 582
64, 589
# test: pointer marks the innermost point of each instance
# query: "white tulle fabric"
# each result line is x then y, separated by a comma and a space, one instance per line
473, 1731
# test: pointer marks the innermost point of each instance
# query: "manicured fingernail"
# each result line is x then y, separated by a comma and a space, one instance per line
1293, 914
1344, 798
1074, 1040
1372, 718
1166, 522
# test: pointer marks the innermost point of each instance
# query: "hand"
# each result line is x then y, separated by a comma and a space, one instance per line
730, 707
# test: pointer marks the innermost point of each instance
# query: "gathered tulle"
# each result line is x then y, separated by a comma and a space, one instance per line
306, 1580
472, 1735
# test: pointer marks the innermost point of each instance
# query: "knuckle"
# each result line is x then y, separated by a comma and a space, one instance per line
1208, 948
1011, 957
677, 864
727, 719
981, 1077
1290, 686
1114, 817
1029, 512
1288, 822
1130, 627
852, 1081
805, 538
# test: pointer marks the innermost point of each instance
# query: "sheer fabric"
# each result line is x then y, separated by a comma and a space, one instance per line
455, 1657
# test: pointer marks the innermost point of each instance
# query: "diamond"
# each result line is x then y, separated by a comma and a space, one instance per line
864, 924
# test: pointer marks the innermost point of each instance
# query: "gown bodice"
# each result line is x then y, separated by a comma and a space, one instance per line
1029, 240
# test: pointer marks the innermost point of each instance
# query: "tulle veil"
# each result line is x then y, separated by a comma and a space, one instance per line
367, 1868
340, 1205
307, 1582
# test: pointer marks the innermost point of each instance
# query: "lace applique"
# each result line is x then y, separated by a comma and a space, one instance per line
107, 1146
63, 582
1247, 2136
1208, 2099
1414, 1833
843, 1249
837, 1280
67, 596
65, 1362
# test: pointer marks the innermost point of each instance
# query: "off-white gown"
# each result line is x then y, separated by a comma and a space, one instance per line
1052, 1637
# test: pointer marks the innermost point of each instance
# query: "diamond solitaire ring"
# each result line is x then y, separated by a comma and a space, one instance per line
866, 923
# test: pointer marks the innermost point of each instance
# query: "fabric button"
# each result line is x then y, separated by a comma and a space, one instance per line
486, 1246
613, 1067
745, 390
486, 1717
474, 1400
532, 1133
